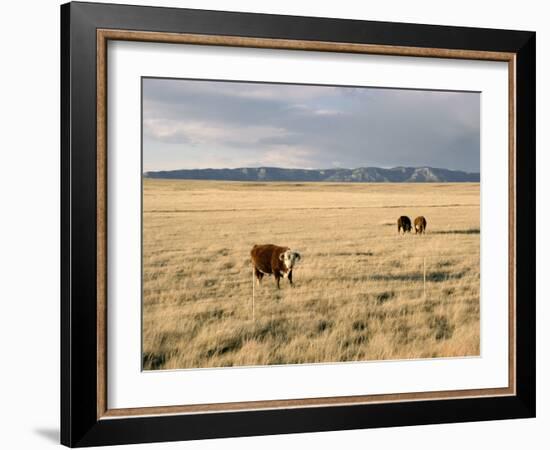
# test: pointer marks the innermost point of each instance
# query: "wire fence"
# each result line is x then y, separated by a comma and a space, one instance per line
417, 277
428, 276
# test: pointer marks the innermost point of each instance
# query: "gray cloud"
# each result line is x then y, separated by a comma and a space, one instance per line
198, 124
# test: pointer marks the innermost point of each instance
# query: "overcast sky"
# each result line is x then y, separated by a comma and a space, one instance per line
190, 124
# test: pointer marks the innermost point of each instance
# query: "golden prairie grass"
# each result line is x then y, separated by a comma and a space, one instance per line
359, 289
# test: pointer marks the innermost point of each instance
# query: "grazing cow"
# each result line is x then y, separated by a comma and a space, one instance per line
420, 225
404, 223
271, 259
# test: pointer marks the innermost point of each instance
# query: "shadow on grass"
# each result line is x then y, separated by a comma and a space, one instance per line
153, 361
441, 327
435, 276
466, 231
276, 330
352, 254
384, 297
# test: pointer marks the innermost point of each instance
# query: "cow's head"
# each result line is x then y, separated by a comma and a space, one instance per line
290, 258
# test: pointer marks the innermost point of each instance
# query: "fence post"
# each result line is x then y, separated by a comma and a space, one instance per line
253, 292
424, 278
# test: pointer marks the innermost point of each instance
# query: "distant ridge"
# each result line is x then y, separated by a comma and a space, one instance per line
359, 175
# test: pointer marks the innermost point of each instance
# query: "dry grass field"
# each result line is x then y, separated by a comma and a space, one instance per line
358, 291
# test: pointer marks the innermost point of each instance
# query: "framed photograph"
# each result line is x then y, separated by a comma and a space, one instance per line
276, 224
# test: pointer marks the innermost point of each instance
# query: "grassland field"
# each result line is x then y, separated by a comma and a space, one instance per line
359, 291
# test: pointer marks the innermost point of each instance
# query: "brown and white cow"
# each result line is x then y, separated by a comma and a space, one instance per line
420, 225
269, 259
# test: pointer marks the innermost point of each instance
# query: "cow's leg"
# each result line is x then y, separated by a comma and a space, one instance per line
398, 229
278, 279
259, 275
290, 277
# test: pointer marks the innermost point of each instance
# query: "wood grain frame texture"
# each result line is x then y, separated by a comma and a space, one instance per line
103, 36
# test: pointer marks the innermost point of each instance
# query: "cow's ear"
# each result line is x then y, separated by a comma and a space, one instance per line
298, 255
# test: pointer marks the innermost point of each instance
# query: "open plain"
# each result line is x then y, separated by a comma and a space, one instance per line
361, 291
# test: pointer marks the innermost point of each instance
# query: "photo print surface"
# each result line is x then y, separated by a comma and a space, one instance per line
299, 224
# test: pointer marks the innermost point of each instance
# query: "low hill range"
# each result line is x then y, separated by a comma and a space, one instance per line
359, 175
